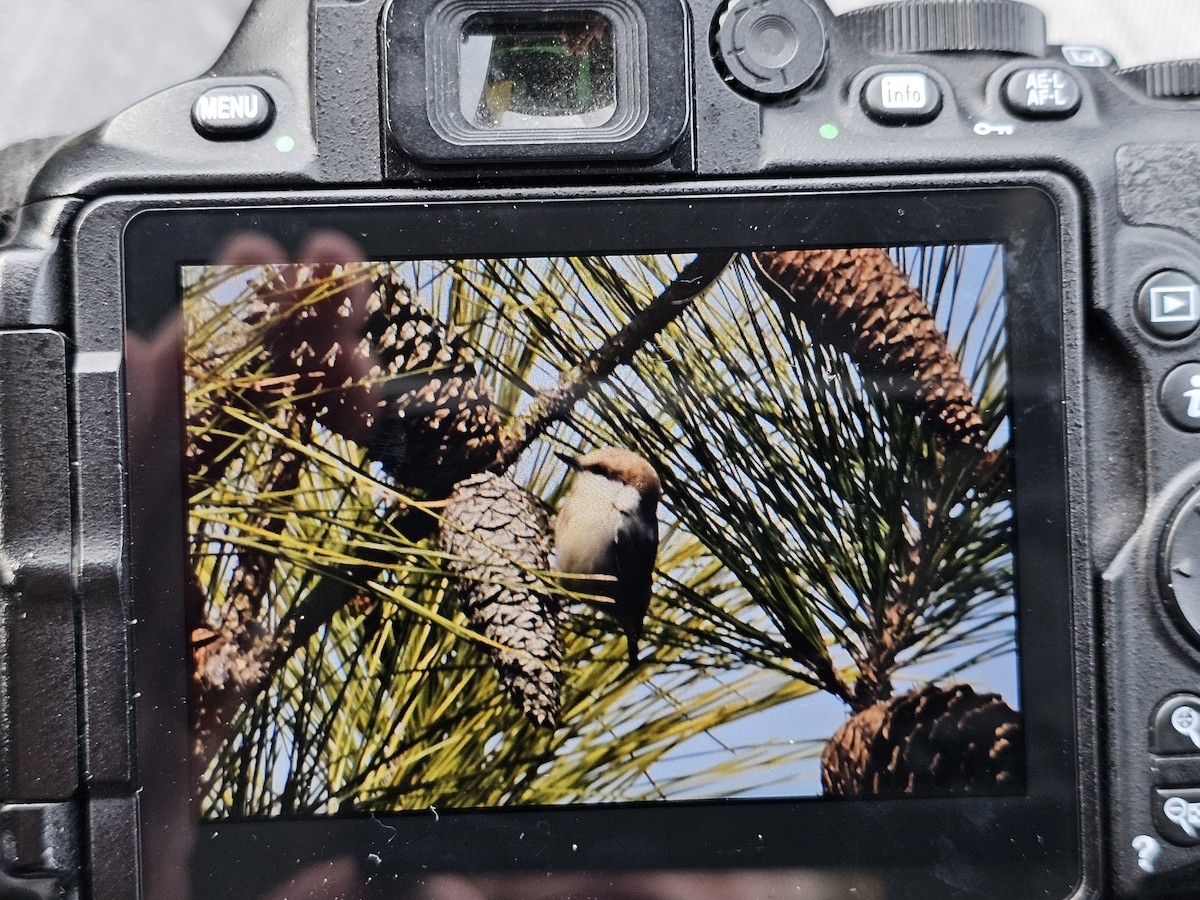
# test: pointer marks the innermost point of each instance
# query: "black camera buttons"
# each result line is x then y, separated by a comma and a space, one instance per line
233, 112
902, 98
1176, 814
1168, 305
1042, 92
1175, 729
1179, 398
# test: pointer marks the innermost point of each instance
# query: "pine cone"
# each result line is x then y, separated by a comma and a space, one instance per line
439, 425
860, 303
931, 742
364, 359
497, 536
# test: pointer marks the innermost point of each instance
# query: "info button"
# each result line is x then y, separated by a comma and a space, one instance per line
1179, 396
1168, 305
902, 98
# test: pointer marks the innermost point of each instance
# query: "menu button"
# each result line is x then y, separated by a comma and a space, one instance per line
232, 112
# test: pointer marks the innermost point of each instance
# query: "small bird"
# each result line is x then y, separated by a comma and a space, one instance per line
607, 534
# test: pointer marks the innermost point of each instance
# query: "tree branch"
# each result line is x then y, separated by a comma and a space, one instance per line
556, 403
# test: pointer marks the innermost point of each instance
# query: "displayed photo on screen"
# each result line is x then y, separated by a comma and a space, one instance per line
687, 526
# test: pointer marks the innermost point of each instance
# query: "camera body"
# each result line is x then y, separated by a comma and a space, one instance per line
762, 127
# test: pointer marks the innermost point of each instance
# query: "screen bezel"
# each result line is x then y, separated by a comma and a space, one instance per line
1031, 842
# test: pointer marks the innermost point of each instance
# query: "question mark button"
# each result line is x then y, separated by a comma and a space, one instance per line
1148, 852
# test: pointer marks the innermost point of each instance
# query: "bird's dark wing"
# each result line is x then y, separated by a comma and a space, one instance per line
635, 557
636, 548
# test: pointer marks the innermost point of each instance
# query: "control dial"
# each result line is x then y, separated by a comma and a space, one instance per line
923, 26
1179, 564
1167, 80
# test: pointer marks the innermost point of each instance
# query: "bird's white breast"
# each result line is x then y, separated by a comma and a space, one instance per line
588, 522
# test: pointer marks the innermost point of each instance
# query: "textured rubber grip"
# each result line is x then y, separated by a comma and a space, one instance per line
39, 729
19, 165
1157, 185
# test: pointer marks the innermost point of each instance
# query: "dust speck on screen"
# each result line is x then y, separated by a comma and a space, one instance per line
481, 533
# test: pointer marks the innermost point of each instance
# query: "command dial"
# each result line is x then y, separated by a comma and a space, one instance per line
1179, 79
923, 26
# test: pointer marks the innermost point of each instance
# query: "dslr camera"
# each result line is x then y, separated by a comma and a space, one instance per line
640, 448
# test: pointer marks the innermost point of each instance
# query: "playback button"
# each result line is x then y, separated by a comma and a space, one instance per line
1168, 305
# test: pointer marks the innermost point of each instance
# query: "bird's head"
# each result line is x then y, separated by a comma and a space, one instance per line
622, 466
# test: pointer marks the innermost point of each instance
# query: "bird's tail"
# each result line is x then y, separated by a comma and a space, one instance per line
635, 661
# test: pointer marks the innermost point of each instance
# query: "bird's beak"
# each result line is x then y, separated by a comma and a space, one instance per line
571, 461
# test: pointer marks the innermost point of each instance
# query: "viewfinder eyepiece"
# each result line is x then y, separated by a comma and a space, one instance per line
515, 80
511, 72
548, 73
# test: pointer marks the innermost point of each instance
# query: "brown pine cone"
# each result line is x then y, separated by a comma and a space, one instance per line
497, 537
932, 742
860, 303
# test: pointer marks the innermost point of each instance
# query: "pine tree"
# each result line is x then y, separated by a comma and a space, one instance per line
370, 363
941, 738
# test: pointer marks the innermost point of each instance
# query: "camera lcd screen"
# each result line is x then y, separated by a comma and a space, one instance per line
556, 536
787, 514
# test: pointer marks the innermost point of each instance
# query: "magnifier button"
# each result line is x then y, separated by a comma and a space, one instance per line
1176, 726
1177, 815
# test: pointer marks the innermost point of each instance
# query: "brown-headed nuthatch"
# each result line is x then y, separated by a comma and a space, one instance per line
607, 534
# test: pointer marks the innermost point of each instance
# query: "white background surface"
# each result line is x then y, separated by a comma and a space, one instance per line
66, 65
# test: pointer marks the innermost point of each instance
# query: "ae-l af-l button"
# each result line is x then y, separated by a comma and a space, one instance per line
1045, 92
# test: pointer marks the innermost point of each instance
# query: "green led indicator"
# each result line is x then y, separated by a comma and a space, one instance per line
829, 131
285, 144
